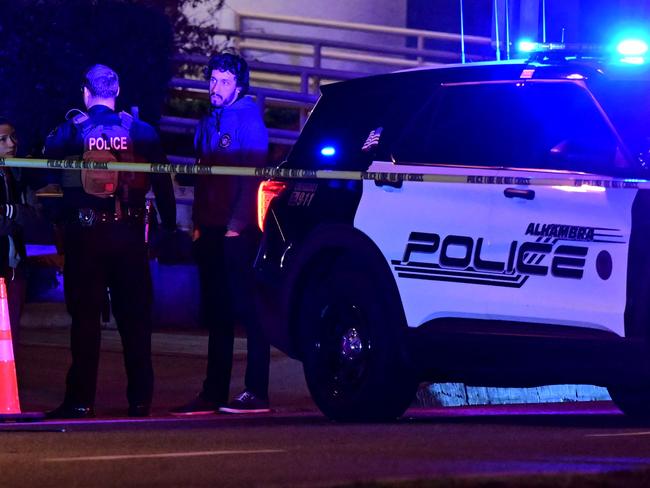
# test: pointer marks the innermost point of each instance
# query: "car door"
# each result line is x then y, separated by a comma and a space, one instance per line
429, 233
566, 244
432, 233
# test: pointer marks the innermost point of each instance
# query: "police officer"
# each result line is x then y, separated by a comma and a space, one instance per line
104, 241
226, 239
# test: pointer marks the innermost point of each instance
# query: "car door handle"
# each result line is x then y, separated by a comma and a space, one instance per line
518, 193
392, 184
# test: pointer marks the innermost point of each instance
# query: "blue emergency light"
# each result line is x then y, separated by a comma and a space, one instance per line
526, 46
328, 151
632, 47
632, 50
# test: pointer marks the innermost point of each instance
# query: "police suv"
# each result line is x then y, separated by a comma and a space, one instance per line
501, 236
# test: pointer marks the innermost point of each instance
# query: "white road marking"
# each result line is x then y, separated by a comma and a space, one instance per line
620, 434
160, 455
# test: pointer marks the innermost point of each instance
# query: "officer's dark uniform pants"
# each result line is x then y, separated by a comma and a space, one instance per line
228, 296
109, 255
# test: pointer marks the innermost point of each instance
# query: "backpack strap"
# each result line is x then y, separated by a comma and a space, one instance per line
81, 122
78, 115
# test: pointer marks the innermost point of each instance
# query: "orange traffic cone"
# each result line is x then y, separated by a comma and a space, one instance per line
9, 403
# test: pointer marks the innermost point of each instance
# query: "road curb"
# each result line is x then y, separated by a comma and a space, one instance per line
458, 394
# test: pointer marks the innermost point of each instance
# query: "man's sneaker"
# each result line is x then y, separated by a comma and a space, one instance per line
198, 406
247, 402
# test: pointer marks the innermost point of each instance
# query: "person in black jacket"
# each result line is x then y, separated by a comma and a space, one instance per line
16, 211
103, 215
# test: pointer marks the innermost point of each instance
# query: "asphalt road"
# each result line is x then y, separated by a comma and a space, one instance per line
541, 445
303, 449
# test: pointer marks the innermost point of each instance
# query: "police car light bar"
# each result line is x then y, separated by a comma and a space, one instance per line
526, 46
627, 50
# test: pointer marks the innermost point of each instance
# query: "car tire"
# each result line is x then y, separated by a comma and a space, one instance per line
634, 402
351, 331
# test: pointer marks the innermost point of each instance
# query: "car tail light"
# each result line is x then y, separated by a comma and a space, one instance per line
266, 192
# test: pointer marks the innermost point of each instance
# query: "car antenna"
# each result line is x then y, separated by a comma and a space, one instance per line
462, 34
544, 21
496, 30
507, 21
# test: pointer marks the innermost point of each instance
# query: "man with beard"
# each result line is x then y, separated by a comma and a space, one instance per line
226, 238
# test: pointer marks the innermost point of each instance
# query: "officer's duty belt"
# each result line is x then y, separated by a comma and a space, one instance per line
88, 217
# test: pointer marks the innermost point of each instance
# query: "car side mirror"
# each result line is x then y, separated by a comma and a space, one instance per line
597, 157
563, 154
560, 149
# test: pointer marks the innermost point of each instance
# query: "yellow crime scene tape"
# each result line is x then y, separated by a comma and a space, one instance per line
273, 172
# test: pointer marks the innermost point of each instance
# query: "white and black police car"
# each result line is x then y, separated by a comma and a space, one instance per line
521, 259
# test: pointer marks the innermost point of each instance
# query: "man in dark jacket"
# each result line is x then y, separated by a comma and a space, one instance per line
103, 215
226, 239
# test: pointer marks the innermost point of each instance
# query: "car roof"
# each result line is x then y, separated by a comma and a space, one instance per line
552, 67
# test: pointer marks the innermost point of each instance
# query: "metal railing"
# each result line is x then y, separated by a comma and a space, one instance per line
420, 36
303, 81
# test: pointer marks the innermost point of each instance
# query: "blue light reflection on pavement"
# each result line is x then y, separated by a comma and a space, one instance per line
584, 465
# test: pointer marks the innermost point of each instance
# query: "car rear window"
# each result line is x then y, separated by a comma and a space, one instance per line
545, 125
